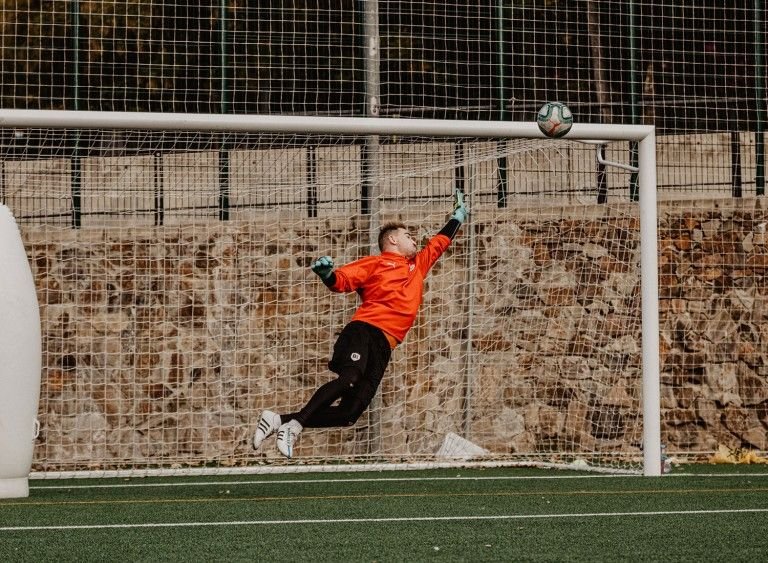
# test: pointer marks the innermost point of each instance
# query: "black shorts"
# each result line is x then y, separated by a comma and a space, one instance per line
363, 350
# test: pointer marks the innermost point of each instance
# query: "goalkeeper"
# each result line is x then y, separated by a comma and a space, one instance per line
391, 287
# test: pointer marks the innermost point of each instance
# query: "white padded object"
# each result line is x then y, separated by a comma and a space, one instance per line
20, 361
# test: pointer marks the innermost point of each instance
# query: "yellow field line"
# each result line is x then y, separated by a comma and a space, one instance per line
381, 496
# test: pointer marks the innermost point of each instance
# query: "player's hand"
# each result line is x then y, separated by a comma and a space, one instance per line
460, 211
323, 267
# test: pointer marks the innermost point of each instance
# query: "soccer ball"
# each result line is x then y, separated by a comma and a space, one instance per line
554, 119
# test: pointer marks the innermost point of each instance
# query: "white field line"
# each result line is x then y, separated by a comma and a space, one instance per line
507, 517
171, 483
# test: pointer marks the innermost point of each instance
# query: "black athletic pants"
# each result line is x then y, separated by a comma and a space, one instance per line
360, 357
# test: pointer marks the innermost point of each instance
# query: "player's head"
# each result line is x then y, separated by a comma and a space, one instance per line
394, 237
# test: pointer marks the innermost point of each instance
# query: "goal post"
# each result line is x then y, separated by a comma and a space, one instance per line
63, 119
168, 332
650, 305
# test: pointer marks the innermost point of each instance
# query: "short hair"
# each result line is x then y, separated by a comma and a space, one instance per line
388, 228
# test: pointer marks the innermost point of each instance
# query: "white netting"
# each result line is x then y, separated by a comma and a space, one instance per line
167, 329
697, 75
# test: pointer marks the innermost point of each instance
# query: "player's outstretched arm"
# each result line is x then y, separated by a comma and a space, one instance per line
323, 267
460, 214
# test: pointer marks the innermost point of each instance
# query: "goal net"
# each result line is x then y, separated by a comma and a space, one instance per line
171, 259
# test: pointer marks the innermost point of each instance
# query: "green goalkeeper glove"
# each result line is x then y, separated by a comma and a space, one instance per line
323, 267
460, 211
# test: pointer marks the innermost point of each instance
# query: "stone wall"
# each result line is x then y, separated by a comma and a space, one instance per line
714, 306
162, 345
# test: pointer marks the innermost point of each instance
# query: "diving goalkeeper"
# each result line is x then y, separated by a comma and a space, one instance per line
391, 286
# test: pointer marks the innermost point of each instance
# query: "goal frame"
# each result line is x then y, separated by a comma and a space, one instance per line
644, 135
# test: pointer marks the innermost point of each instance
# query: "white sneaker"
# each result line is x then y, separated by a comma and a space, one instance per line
286, 437
268, 425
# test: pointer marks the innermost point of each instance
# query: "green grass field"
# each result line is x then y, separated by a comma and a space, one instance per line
703, 513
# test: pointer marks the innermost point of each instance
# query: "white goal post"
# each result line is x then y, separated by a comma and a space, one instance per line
514, 412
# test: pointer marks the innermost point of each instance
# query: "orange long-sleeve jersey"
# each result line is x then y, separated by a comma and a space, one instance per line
390, 285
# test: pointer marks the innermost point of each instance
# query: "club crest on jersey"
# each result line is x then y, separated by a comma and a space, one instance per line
411, 267
355, 356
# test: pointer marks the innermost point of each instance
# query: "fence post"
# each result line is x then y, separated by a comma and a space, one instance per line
735, 164
76, 176
369, 160
502, 164
634, 95
224, 108
760, 98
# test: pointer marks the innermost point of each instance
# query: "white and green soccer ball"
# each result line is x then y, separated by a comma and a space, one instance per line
554, 119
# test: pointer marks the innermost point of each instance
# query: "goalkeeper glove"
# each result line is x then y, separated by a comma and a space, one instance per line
460, 211
323, 267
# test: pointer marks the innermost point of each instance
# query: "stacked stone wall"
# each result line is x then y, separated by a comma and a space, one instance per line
163, 344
